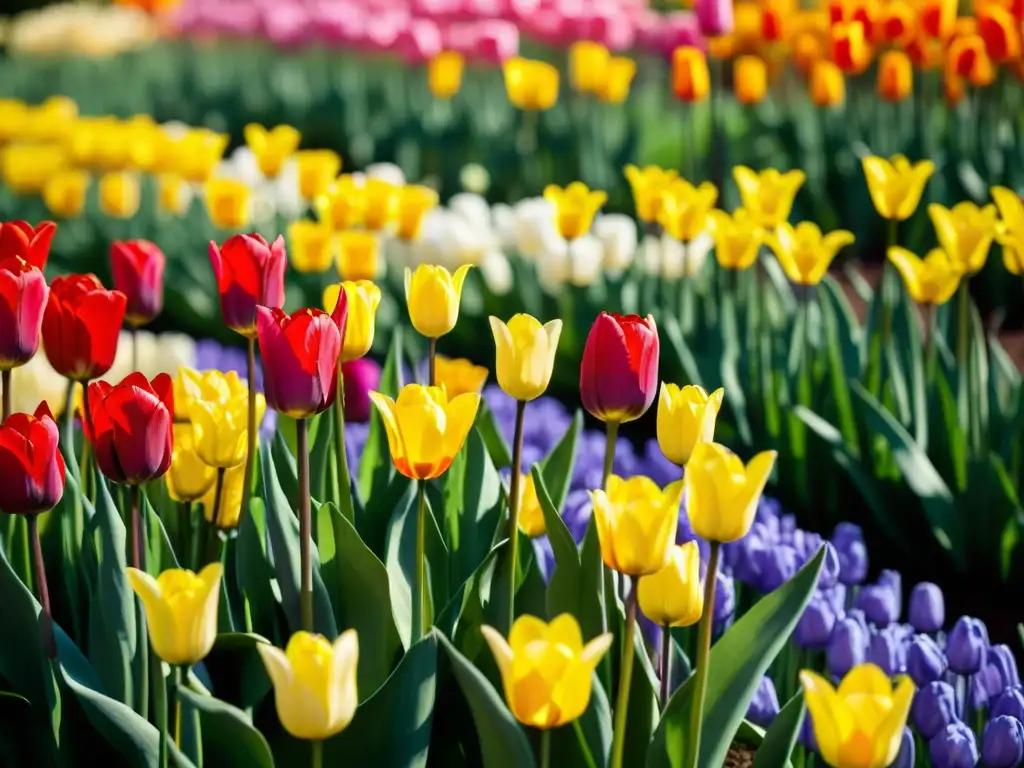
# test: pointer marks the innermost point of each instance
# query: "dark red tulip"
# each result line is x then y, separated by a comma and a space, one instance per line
138, 267
19, 238
361, 376
81, 326
30, 463
619, 375
130, 427
250, 274
300, 357
23, 293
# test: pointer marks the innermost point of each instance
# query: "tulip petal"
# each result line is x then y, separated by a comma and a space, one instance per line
832, 721
159, 619
595, 650
889, 733
565, 629
343, 692
460, 415
500, 648
867, 679
385, 409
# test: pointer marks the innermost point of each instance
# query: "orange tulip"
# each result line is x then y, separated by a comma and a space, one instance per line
898, 24
750, 79
827, 85
938, 17
850, 49
895, 76
967, 57
691, 80
999, 31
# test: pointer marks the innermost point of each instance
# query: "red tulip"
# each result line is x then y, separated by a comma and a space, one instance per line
23, 293
130, 427
81, 326
619, 375
138, 267
250, 273
30, 463
19, 238
300, 357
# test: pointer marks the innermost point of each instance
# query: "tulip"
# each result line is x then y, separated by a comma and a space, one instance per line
1002, 659
342, 205
895, 185
886, 651
816, 625
575, 207
546, 669
932, 280
314, 683
311, 246
966, 644
433, 294
1009, 203
588, 65
879, 603
847, 647
228, 203
31, 244
1002, 743
219, 415
23, 299
317, 169
636, 523
685, 209
249, 273
927, 608
937, 18
925, 662
614, 88
358, 255
181, 611
530, 85
81, 326
714, 17
853, 555
934, 708
64, 193
619, 372
363, 298
691, 79
525, 355
414, 201
672, 596
804, 253
954, 747
721, 494
1000, 31
189, 477
530, 515
119, 194
965, 233
907, 754
381, 198
271, 147
850, 50
444, 74
827, 86
768, 195
459, 376
27, 168
198, 153
138, 268
30, 463
222, 502
738, 238
173, 195
750, 79
1009, 702
850, 734
895, 76
686, 416
647, 185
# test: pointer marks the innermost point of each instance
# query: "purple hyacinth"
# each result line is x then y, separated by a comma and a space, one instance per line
927, 607
954, 747
1002, 743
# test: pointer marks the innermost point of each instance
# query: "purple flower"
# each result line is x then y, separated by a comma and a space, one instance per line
814, 629
927, 607
725, 598
1010, 702
905, 758
894, 581
934, 708
765, 704
1002, 743
953, 747
829, 576
847, 647
1001, 657
848, 540
925, 661
807, 737
986, 683
879, 603
777, 565
966, 645
887, 651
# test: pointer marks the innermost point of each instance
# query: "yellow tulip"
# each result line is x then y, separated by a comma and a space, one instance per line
768, 195
119, 194
14, 116
861, 724
181, 611
530, 85
272, 147
804, 253
189, 477
895, 185
314, 683
444, 74
685, 209
414, 201
363, 300
28, 167
173, 194
218, 405
310, 246
722, 494
458, 376
575, 207
358, 254
64, 193
737, 238
433, 294
317, 169
531, 516
195, 156
647, 185
931, 280
965, 232
614, 88
425, 429
1011, 210
546, 669
525, 354
750, 79
381, 199
588, 65
228, 203
673, 597
686, 416
226, 514
636, 523
1013, 256
52, 120
343, 204
140, 134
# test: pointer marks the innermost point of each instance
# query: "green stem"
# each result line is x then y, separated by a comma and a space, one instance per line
513, 512
588, 757
195, 537
212, 545
136, 527
929, 341
432, 382
419, 602
176, 675
69, 421
318, 753
625, 678
160, 701
666, 665
5, 384
344, 479
250, 454
703, 658
85, 470
305, 527
609, 452
962, 320
42, 589
545, 748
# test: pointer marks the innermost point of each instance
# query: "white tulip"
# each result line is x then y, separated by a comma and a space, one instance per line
617, 233
497, 272
388, 172
586, 255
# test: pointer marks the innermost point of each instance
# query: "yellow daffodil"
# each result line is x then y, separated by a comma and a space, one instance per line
227, 203
458, 376
310, 246
965, 233
189, 477
531, 516
444, 74
119, 194
433, 294
575, 207
363, 299
358, 254
648, 184
588, 65
686, 416
546, 669
673, 597
614, 88
737, 238
895, 185
804, 253
225, 513
722, 494
636, 523
931, 280
64, 193
685, 208
28, 167
425, 429
195, 156
314, 683
218, 407
530, 85
525, 354
381, 198
414, 201
317, 169
181, 611
343, 204
272, 147
768, 195
173, 194
861, 724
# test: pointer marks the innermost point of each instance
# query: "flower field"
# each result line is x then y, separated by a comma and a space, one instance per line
450, 383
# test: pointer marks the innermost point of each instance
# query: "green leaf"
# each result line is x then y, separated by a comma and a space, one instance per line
255, 574
321, 481
229, 737
497, 446
595, 724
557, 466
502, 740
375, 467
287, 469
159, 551
235, 669
737, 662
464, 612
781, 736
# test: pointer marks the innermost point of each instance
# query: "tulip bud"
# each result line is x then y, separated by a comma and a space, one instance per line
934, 708
138, 268
64, 191
691, 80
23, 300
827, 86
31, 244
363, 298
189, 477
927, 608
886, 652
814, 629
311, 246
81, 326
966, 645
954, 747
228, 203
317, 169
686, 416
250, 273
853, 554
525, 355
765, 705
360, 378
119, 194
588, 65
925, 661
750, 79
721, 493
1002, 743
878, 602
530, 85
673, 596
619, 372
829, 576
31, 463
714, 17
1009, 702
433, 295
444, 74
895, 76
847, 648
1001, 657
531, 516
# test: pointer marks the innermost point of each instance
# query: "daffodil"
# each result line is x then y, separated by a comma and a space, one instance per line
804, 253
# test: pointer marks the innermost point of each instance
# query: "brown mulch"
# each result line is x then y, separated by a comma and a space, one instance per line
740, 756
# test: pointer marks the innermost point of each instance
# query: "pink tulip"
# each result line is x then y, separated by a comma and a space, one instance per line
288, 26
420, 41
714, 17
496, 41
